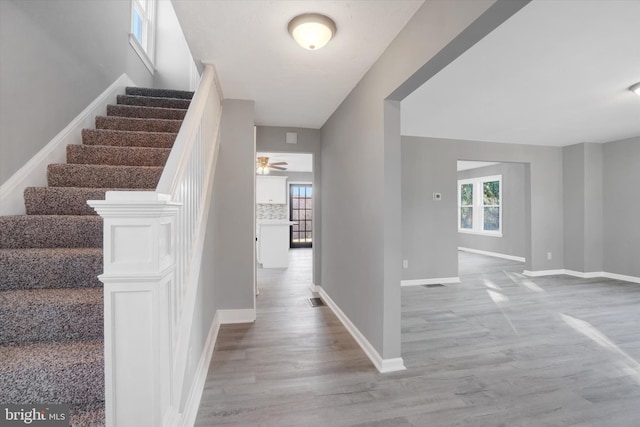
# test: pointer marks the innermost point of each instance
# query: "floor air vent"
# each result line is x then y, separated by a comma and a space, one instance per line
434, 285
316, 302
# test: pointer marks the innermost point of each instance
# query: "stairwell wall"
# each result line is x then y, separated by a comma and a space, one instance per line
57, 56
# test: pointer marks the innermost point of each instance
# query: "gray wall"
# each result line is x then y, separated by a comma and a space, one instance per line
361, 166
232, 212
57, 57
513, 192
429, 229
173, 61
272, 139
583, 207
621, 176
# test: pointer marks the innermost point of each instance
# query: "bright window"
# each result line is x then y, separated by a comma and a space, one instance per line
142, 36
480, 205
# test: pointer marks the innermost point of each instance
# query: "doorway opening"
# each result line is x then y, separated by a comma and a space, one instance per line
301, 215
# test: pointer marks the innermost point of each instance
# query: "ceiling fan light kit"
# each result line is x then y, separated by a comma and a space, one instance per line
312, 30
263, 167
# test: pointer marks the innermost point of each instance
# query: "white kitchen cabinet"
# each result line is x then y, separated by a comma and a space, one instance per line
271, 190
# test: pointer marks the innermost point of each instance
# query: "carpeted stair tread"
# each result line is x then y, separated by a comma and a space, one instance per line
142, 125
51, 315
151, 101
142, 112
124, 156
50, 231
71, 373
121, 138
101, 176
63, 200
50, 268
163, 93
87, 415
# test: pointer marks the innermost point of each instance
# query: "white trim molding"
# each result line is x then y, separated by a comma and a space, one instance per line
435, 281
229, 317
382, 365
34, 172
197, 386
493, 254
587, 275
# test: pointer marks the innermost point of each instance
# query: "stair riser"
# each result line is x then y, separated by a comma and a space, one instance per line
130, 139
51, 323
124, 156
82, 383
50, 232
146, 101
145, 112
140, 125
45, 268
103, 176
60, 200
162, 93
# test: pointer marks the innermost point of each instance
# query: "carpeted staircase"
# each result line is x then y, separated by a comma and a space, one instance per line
51, 302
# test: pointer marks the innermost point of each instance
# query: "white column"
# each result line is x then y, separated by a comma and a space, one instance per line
139, 271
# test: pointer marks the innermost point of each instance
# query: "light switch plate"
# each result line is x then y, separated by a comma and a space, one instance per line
437, 196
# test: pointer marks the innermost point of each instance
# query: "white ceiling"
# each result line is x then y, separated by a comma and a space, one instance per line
556, 73
257, 59
296, 162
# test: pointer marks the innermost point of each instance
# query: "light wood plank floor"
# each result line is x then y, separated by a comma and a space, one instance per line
498, 349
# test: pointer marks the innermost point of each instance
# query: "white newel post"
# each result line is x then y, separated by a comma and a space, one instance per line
139, 271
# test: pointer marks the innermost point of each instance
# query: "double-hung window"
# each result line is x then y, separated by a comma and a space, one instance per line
480, 205
142, 38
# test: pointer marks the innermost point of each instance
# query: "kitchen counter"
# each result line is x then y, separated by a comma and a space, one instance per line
273, 242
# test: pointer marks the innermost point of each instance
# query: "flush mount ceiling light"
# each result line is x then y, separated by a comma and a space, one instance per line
312, 30
635, 88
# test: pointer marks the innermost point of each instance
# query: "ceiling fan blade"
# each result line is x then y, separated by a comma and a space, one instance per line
280, 168
278, 163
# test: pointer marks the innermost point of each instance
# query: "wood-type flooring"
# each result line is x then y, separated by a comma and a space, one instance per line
497, 349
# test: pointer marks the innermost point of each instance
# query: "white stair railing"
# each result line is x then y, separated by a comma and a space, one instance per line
152, 254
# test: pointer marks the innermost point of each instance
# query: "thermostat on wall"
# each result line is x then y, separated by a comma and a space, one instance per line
437, 196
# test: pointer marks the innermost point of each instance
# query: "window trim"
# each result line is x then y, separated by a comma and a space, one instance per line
478, 205
146, 53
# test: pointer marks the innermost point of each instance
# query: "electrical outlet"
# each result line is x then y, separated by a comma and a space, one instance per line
549, 256
437, 196
405, 263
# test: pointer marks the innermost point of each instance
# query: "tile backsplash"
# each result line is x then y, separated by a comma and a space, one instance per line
271, 211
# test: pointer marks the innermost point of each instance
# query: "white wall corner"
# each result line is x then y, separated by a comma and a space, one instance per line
382, 365
34, 172
434, 281
188, 416
227, 317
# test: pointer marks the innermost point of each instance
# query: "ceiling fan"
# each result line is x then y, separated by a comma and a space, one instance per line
263, 166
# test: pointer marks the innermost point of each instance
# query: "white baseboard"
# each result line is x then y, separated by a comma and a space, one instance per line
192, 404
314, 289
227, 317
34, 172
420, 282
382, 365
493, 254
587, 275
